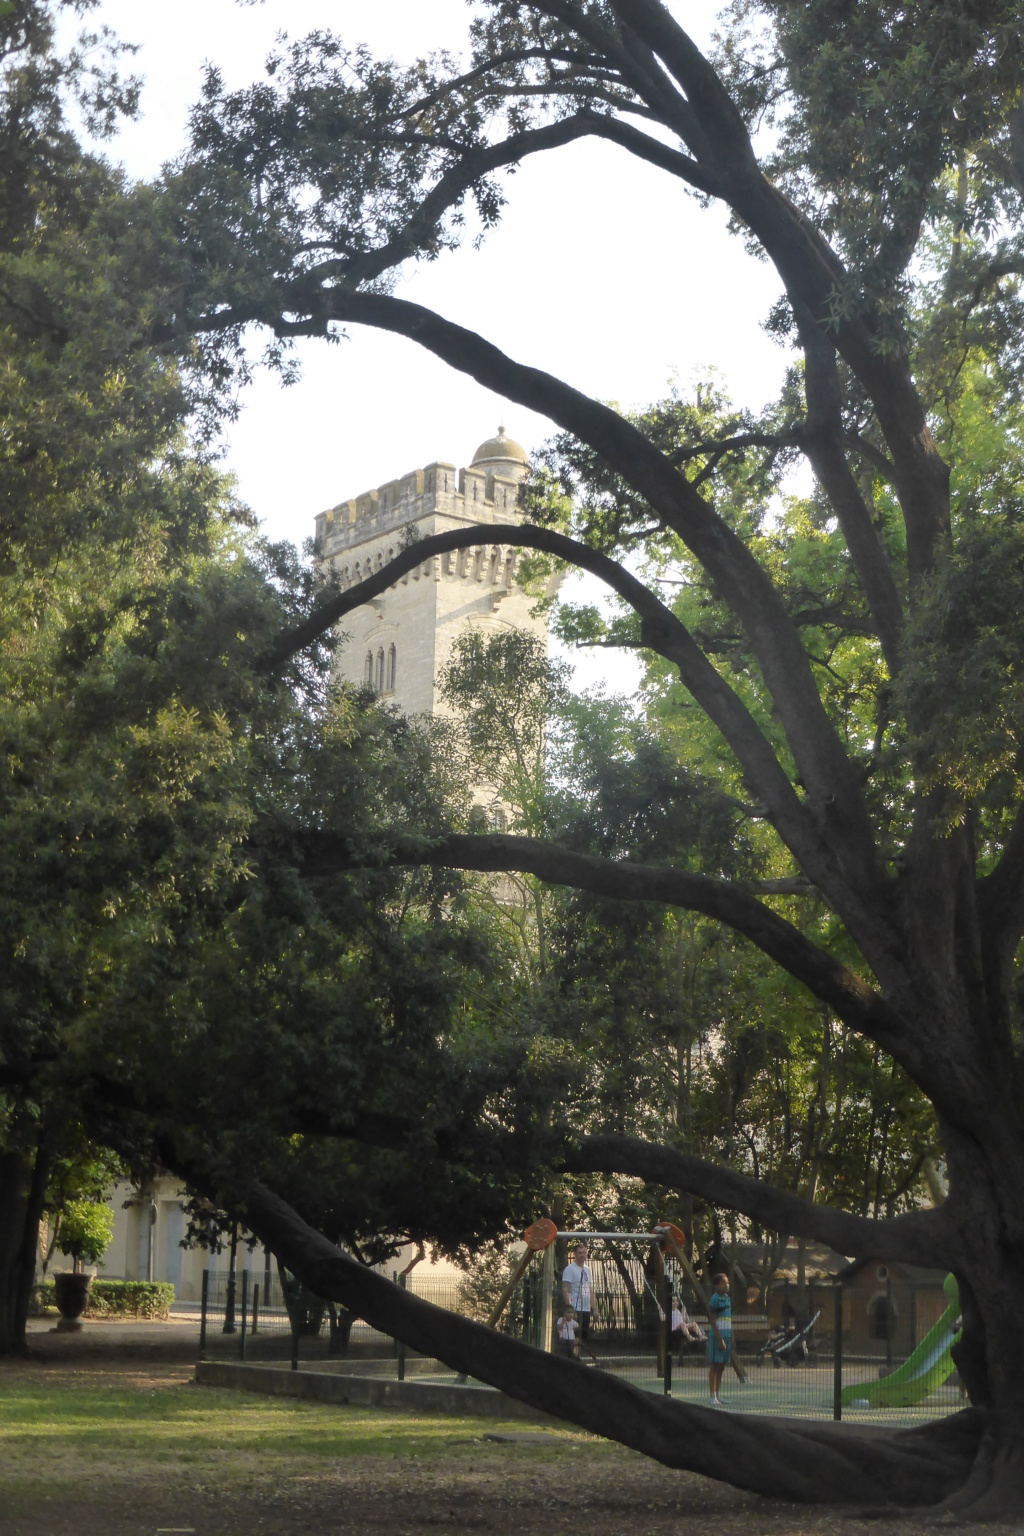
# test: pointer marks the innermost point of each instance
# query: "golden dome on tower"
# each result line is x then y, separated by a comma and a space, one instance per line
500, 449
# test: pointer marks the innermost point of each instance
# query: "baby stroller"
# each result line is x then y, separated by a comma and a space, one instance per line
792, 1343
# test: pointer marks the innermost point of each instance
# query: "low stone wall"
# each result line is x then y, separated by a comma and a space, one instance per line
367, 1391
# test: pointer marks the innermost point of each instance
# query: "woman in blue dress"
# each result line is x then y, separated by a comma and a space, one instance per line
719, 1337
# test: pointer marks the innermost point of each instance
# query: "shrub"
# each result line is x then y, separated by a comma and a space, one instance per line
117, 1298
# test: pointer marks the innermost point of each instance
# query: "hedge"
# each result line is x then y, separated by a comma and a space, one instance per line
117, 1298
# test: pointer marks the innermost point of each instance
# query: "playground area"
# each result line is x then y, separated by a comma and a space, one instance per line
809, 1364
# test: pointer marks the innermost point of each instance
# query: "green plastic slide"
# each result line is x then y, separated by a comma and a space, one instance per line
925, 1371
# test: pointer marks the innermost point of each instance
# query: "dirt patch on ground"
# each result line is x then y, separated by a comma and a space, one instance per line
500, 1489
113, 1340
523, 1481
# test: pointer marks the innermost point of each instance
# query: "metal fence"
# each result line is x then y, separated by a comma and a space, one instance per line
248, 1315
821, 1366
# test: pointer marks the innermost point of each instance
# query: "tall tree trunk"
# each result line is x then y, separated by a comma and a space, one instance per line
990, 1356
23, 1179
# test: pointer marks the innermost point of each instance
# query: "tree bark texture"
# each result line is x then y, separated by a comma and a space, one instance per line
23, 1180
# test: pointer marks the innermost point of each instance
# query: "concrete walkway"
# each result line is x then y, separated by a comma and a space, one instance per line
175, 1339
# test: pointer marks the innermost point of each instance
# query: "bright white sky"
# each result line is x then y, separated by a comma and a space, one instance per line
602, 270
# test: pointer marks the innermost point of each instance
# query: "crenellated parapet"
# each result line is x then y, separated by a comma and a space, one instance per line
439, 496
492, 566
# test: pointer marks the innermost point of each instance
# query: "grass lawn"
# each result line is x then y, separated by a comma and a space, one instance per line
57, 1429
126, 1448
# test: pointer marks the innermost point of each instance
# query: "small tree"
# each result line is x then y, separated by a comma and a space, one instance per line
85, 1232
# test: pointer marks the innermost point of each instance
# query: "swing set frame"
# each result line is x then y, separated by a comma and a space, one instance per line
541, 1237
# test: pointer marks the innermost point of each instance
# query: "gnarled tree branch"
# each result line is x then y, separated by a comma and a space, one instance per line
661, 631
847, 994
921, 1237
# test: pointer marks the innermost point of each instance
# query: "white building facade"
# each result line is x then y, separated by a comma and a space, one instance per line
146, 1245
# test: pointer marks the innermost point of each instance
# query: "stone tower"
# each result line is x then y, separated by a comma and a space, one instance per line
399, 643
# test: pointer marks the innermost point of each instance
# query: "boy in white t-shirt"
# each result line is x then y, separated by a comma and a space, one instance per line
567, 1333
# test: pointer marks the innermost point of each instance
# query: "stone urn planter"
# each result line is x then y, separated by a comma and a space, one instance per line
85, 1228
72, 1290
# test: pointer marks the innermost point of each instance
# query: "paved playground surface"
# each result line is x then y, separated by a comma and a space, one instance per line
804, 1391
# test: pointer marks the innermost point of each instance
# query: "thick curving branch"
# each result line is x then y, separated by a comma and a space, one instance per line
475, 162
849, 996
661, 631
921, 1237
812, 273
628, 137
784, 1458
834, 792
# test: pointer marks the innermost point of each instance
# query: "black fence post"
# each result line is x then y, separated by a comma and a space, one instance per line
245, 1294
204, 1297
295, 1318
254, 1325
229, 1304
399, 1346
837, 1352
666, 1301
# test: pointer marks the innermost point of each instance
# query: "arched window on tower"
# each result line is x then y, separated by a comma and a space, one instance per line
368, 670
392, 669
380, 670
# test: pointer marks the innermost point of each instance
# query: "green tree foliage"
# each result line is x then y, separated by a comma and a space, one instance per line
86, 1231
82, 1173
663, 1023
334, 1029
880, 801
503, 692
166, 968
